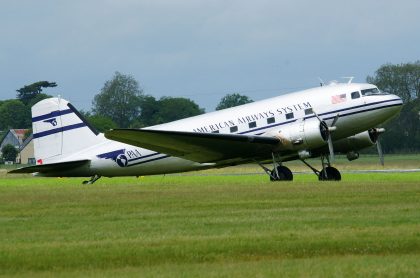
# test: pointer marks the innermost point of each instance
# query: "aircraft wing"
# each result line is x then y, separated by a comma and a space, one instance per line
199, 147
49, 168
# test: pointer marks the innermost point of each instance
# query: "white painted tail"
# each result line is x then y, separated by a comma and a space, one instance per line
59, 130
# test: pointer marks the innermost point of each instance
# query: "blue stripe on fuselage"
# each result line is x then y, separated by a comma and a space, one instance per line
330, 112
150, 160
359, 106
362, 111
141, 157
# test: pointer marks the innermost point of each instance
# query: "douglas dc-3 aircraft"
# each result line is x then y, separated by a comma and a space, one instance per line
339, 117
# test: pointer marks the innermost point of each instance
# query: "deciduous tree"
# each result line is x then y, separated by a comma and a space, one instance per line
232, 100
401, 79
119, 100
403, 132
149, 112
9, 153
164, 110
36, 99
14, 114
28, 92
101, 123
172, 109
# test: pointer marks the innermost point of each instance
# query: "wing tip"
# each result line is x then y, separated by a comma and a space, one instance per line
52, 167
22, 170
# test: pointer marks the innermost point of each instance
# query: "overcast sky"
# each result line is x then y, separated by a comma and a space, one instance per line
201, 49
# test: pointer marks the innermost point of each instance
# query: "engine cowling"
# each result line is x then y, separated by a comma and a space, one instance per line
358, 141
305, 134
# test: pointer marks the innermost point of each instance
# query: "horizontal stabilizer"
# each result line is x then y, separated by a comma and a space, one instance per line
50, 168
199, 147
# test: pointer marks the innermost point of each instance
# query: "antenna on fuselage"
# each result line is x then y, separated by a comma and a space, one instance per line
321, 82
350, 79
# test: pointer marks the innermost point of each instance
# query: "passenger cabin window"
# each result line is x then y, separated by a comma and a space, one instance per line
233, 129
309, 111
372, 92
289, 116
355, 95
252, 124
216, 131
271, 120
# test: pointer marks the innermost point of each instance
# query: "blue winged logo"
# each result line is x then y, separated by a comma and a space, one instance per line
118, 156
52, 121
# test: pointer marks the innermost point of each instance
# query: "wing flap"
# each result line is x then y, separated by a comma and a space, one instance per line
50, 168
199, 147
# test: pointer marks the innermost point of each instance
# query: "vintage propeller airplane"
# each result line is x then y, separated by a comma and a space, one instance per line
339, 117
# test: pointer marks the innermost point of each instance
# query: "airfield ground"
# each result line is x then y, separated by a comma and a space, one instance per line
210, 224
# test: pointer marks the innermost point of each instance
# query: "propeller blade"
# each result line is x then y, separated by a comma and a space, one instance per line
335, 119
380, 153
331, 148
330, 143
316, 115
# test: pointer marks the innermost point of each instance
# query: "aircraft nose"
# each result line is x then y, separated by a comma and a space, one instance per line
397, 102
401, 101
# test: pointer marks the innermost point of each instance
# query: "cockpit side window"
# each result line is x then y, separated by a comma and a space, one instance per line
372, 92
355, 95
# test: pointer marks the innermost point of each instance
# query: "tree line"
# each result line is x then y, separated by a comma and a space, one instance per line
122, 103
403, 132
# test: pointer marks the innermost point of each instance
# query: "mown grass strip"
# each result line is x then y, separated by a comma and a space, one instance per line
216, 225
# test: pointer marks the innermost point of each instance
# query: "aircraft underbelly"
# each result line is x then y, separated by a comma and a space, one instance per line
167, 164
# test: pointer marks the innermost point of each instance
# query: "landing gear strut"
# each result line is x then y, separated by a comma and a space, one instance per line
279, 172
328, 173
92, 179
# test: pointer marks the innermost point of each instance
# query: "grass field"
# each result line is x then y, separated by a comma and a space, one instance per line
211, 226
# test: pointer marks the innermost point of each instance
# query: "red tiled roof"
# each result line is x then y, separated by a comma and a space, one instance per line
20, 132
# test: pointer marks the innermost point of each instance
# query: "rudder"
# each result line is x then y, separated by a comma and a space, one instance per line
59, 130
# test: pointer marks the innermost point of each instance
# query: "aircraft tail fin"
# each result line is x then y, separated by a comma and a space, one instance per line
59, 130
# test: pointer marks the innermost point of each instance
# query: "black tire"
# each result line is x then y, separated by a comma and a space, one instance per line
284, 174
329, 174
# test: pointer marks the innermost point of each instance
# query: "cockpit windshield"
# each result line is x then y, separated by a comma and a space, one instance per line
372, 92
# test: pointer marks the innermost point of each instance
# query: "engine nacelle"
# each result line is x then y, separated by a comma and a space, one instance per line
305, 134
359, 141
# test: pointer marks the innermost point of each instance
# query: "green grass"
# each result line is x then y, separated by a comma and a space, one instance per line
229, 226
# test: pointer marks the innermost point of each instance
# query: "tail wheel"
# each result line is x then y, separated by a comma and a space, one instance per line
329, 174
284, 174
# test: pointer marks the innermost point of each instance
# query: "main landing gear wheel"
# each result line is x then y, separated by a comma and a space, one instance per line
280, 172
284, 174
329, 174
